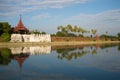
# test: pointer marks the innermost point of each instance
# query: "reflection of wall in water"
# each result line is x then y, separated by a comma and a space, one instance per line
32, 50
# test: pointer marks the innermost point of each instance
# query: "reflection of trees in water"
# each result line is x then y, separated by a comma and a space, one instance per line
20, 53
69, 54
119, 47
5, 56
104, 46
94, 51
77, 52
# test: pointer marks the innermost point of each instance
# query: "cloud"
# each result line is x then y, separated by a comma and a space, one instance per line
41, 16
109, 20
107, 16
22, 6
104, 21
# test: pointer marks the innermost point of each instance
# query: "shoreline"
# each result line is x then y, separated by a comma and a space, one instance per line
17, 44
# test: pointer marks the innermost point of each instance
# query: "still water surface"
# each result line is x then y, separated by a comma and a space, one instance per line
81, 62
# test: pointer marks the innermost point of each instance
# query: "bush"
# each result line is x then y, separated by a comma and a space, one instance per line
71, 35
119, 35
81, 36
60, 34
5, 36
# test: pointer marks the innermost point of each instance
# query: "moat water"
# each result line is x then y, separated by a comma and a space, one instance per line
81, 62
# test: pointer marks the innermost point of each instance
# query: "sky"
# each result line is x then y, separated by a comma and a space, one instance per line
47, 15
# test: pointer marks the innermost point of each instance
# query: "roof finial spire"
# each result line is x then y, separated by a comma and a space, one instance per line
20, 16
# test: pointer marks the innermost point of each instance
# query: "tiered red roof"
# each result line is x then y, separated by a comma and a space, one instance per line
20, 58
20, 27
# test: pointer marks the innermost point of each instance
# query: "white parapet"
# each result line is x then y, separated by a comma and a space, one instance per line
16, 38
30, 38
26, 38
40, 38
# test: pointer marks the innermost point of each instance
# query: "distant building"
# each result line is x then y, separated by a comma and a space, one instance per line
20, 28
22, 35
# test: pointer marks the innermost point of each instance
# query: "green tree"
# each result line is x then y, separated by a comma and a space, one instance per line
94, 31
60, 28
1, 29
119, 35
76, 30
36, 32
5, 36
43, 32
4, 27
106, 32
60, 34
84, 31
69, 28
62, 31
79, 30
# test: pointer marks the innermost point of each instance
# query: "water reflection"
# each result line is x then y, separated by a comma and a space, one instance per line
109, 45
31, 50
119, 47
63, 52
75, 52
20, 54
63, 62
5, 56
71, 53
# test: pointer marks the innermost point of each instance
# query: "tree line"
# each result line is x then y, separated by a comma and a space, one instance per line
72, 31
63, 31
76, 31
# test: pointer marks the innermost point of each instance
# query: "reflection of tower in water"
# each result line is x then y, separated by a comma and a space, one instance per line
20, 58
20, 54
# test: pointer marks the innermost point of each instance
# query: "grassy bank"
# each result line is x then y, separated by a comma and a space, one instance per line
11, 44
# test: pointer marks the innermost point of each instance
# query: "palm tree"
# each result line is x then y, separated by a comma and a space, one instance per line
106, 32
106, 35
118, 35
84, 31
69, 28
79, 30
75, 29
60, 28
94, 32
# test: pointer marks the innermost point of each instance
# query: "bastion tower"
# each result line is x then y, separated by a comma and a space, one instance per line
20, 28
